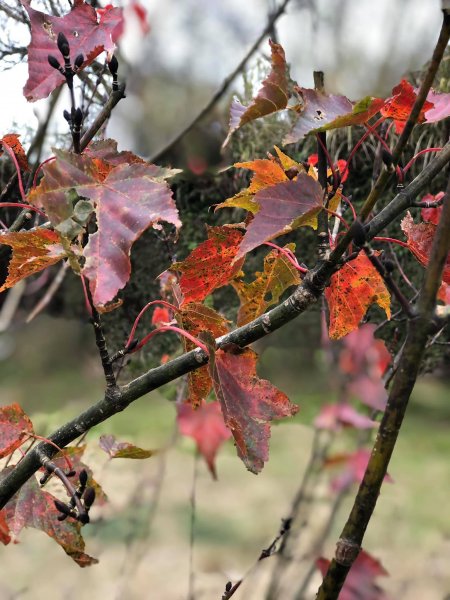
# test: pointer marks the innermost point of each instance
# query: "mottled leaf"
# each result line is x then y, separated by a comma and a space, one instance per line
399, 106
31, 506
128, 199
272, 96
420, 240
211, 265
352, 290
12, 139
316, 111
248, 403
196, 318
14, 426
205, 425
116, 449
360, 582
282, 208
256, 297
85, 34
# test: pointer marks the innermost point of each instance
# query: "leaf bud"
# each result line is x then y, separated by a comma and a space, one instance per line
389, 265
228, 586
53, 62
78, 117
63, 44
292, 172
67, 116
79, 61
71, 473
83, 477
89, 497
113, 65
63, 508
83, 518
358, 233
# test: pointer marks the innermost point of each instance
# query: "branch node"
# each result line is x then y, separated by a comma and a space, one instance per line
346, 552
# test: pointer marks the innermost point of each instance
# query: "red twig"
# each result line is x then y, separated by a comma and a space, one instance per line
370, 129
352, 208
138, 318
338, 216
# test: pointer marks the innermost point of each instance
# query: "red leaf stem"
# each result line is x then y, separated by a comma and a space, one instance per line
21, 205
175, 329
146, 307
289, 255
391, 241
370, 129
9, 150
352, 208
39, 169
416, 156
44, 439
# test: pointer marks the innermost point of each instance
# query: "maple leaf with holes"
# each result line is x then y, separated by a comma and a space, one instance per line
320, 112
256, 297
419, 237
129, 198
211, 265
33, 251
196, 318
272, 97
116, 449
85, 33
335, 416
206, 426
14, 426
31, 506
360, 582
352, 290
12, 139
282, 208
248, 403
355, 465
399, 106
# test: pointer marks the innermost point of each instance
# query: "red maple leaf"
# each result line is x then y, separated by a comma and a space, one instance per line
341, 414
399, 106
33, 251
444, 293
206, 426
160, 316
211, 265
360, 582
116, 449
31, 506
248, 403
352, 290
355, 465
86, 35
12, 139
128, 198
14, 426
282, 208
420, 238
272, 96
432, 215
5, 538
341, 164
196, 318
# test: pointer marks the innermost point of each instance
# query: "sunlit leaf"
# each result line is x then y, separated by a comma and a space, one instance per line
33, 251
352, 290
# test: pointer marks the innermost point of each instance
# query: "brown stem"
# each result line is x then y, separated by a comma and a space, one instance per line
103, 116
420, 327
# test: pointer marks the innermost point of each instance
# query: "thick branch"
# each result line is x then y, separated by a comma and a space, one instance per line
306, 294
349, 544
